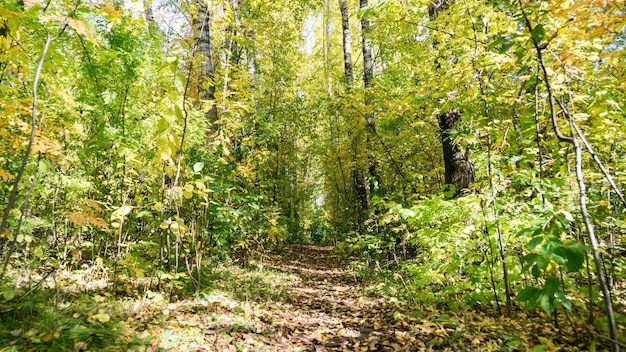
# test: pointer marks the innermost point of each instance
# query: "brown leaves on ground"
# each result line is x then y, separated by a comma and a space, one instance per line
324, 309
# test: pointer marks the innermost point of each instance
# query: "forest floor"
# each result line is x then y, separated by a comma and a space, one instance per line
313, 302
299, 298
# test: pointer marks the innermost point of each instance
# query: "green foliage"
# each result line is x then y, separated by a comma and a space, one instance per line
132, 177
32, 324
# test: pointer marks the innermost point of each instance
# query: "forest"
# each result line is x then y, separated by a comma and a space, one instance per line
312, 175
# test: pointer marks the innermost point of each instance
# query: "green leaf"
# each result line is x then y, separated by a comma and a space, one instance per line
527, 294
551, 286
538, 33
548, 303
575, 260
406, 213
505, 48
529, 259
534, 242
526, 231
536, 271
179, 113
560, 296
364, 12
9, 293
495, 43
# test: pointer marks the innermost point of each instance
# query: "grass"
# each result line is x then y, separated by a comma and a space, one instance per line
97, 320
35, 324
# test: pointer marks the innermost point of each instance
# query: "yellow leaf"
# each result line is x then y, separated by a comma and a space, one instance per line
8, 13
121, 212
110, 10
5, 175
80, 28
101, 317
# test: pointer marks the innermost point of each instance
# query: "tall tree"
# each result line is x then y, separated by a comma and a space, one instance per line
368, 63
206, 71
347, 46
459, 171
368, 74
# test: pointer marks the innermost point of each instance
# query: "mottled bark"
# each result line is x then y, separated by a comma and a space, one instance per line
436, 7
147, 11
235, 50
368, 74
368, 64
459, 171
206, 72
347, 45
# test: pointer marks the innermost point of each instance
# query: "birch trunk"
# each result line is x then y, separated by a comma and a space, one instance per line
206, 72
347, 46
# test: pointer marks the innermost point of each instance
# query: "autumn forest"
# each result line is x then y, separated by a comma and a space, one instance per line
312, 175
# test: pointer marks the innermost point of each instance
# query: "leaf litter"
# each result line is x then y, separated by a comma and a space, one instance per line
325, 307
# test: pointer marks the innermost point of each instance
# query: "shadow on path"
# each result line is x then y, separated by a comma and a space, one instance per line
325, 310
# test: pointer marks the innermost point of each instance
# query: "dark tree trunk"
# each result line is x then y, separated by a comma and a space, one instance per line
357, 173
459, 171
360, 189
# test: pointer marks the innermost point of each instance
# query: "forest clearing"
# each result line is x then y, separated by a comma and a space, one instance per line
312, 175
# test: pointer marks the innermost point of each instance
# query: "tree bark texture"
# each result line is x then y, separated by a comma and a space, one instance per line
347, 46
206, 72
147, 11
459, 171
368, 74
436, 7
368, 64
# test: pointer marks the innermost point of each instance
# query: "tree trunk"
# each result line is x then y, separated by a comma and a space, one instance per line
368, 64
459, 171
147, 11
347, 46
206, 72
368, 74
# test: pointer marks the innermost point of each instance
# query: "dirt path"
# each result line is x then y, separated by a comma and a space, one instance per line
326, 311
321, 308
304, 298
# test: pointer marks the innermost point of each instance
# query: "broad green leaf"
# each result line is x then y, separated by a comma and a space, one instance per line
534, 242
179, 113
560, 296
9, 293
548, 303
538, 33
527, 294
551, 286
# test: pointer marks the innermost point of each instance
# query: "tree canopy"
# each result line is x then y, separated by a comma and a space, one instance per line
469, 155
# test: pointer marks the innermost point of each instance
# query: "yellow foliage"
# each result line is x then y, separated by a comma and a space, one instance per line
6, 175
